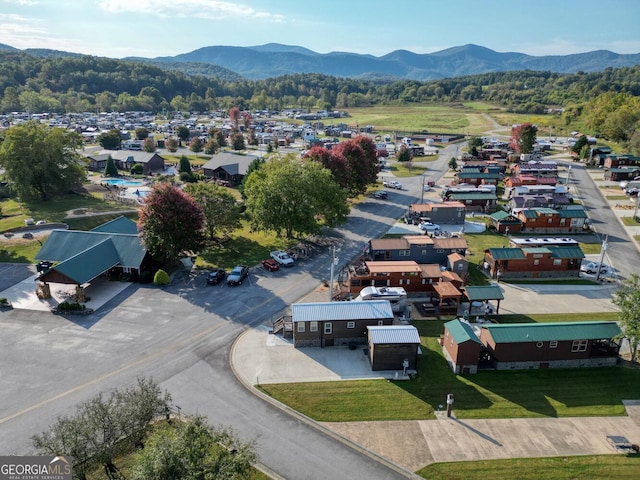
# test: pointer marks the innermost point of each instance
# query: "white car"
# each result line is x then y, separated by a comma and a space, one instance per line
283, 258
593, 267
429, 227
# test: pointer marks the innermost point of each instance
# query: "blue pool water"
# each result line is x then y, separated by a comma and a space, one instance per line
122, 183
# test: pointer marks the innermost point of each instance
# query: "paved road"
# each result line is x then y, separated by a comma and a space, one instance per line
181, 336
622, 253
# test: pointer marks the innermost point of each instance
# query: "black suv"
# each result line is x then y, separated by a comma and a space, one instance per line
216, 276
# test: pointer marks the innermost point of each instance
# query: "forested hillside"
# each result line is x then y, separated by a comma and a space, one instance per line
86, 83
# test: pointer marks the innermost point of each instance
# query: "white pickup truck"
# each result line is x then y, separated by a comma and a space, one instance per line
392, 184
283, 258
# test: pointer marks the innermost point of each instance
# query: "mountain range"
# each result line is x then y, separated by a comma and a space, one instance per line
274, 60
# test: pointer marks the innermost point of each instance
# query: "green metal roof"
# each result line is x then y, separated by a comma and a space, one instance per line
566, 252
500, 215
507, 253
529, 213
121, 224
483, 175
561, 331
544, 211
624, 169
461, 332
87, 265
484, 292
572, 213
534, 250
472, 196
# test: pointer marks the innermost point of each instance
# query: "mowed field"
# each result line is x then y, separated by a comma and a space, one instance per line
450, 118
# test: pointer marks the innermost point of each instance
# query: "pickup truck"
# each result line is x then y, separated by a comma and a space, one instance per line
282, 258
392, 184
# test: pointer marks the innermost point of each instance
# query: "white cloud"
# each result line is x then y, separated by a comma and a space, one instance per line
206, 9
24, 3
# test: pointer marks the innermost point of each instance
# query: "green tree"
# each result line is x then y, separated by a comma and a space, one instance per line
170, 223
137, 169
220, 208
171, 144
183, 133
196, 145
142, 133
110, 169
237, 141
580, 144
161, 278
627, 299
40, 161
184, 165
403, 154
453, 163
193, 450
105, 427
222, 141
110, 140
523, 137
291, 196
149, 145
253, 166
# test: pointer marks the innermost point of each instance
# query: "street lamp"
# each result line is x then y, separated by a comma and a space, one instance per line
568, 175
334, 262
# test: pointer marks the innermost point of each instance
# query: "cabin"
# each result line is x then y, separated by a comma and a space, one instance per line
228, 167
549, 220
126, 159
519, 202
420, 248
621, 173
534, 262
461, 347
476, 177
475, 201
535, 168
505, 222
551, 345
328, 324
445, 213
615, 161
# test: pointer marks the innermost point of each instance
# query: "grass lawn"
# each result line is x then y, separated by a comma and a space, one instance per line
479, 242
505, 394
616, 197
553, 468
630, 221
590, 248
401, 169
244, 247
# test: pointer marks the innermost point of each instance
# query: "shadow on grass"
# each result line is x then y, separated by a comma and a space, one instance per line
238, 250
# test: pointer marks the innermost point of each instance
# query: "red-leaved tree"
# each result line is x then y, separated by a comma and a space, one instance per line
234, 115
334, 163
171, 223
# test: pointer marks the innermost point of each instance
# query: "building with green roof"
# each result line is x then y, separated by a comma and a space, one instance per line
461, 347
552, 261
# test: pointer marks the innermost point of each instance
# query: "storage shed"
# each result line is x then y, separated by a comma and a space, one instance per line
461, 347
393, 347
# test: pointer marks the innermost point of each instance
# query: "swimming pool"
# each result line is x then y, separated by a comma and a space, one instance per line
122, 183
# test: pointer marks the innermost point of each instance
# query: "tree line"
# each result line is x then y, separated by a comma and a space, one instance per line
87, 83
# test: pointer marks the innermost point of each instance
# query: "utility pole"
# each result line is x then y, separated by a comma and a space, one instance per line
635, 211
603, 249
334, 261
422, 197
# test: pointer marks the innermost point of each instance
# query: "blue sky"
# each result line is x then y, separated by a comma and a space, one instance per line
151, 28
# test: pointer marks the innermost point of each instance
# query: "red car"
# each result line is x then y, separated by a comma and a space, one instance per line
270, 264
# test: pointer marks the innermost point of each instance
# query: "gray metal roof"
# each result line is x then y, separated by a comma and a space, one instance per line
461, 332
560, 331
335, 311
232, 163
393, 334
132, 156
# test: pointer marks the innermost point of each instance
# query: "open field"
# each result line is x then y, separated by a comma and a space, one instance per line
554, 468
455, 118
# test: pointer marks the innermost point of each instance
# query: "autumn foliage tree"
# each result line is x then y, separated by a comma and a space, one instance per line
234, 115
171, 223
196, 145
523, 137
171, 144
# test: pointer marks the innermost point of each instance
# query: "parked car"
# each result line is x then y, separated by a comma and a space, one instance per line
392, 184
429, 227
592, 267
270, 264
380, 194
216, 276
237, 275
632, 192
27, 235
283, 258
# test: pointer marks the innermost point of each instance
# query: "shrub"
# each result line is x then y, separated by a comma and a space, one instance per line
137, 169
161, 278
75, 306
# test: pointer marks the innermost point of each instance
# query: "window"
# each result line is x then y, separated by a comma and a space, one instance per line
557, 261
563, 221
351, 324
313, 326
403, 253
460, 266
579, 346
301, 327
328, 328
536, 262
424, 252
405, 281
440, 250
553, 344
380, 323
550, 220
127, 269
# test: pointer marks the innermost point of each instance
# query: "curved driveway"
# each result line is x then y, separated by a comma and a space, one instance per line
181, 336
